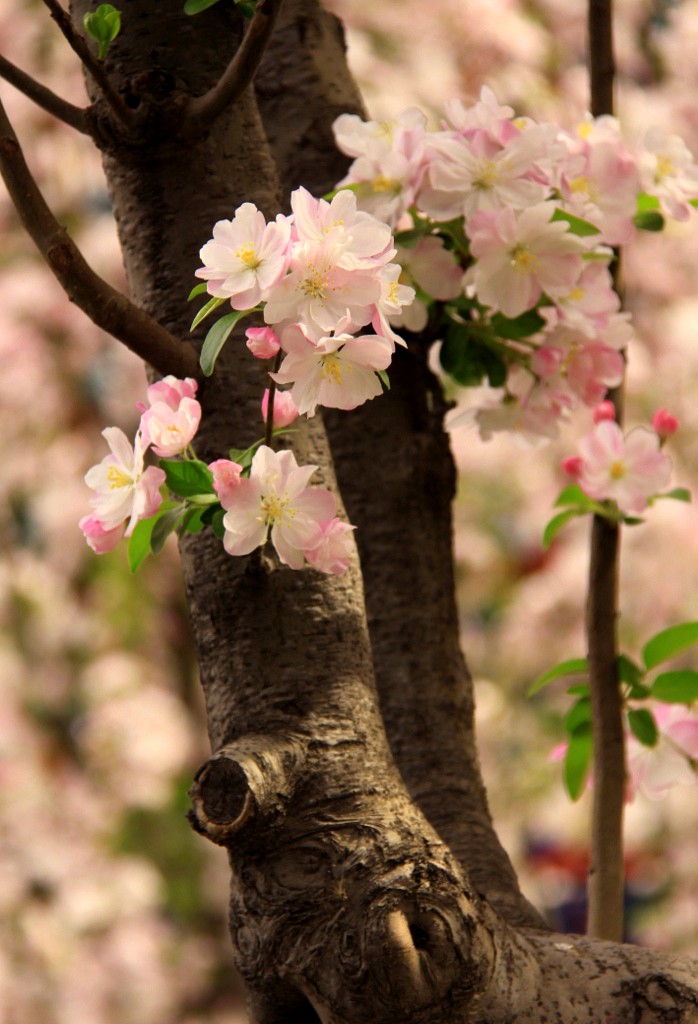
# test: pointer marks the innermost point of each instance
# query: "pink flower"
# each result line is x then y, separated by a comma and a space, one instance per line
171, 391
333, 552
656, 770
262, 342
99, 539
519, 256
245, 257
669, 172
365, 242
664, 423
604, 411
226, 477
170, 430
573, 466
275, 498
628, 470
285, 410
124, 489
337, 372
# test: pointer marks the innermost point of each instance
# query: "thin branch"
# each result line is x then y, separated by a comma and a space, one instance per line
43, 97
106, 307
202, 111
90, 62
605, 915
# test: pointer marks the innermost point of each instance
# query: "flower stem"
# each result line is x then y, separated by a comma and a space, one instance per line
269, 431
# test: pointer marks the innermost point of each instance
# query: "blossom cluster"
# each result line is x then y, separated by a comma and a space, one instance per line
521, 218
265, 494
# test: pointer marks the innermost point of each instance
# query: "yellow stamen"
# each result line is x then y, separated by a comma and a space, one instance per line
487, 176
315, 284
332, 369
277, 510
248, 256
118, 478
666, 168
381, 183
523, 260
618, 470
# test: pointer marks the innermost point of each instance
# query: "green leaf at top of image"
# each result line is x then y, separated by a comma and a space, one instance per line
196, 6
669, 642
680, 687
571, 667
103, 25
577, 761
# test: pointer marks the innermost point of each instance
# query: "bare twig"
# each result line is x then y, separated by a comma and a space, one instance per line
43, 97
106, 307
605, 916
202, 111
90, 62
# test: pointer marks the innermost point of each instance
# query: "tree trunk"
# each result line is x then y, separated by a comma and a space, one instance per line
347, 904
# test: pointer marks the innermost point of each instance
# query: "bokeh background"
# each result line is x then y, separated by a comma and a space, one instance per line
111, 910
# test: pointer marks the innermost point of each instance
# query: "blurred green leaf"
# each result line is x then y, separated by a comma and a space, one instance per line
643, 726
578, 226
572, 667
103, 25
669, 642
680, 687
577, 761
188, 478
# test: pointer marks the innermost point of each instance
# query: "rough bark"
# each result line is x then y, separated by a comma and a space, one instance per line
346, 906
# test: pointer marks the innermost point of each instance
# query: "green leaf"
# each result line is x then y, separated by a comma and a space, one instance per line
678, 494
557, 522
522, 326
198, 289
246, 9
217, 337
192, 521
669, 642
646, 202
384, 378
217, 523
643, 726
207, 308
103, 25
187, 478
572, 667
196, 6
454, 233
629, 671
574, 495
164, 526
408, 239
577, 226
139, 545
579, 690
577, 761
579, 713
680, 687
649, 221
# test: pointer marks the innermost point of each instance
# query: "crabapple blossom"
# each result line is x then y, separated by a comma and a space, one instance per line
664, 423
655, 770
262, 342
169, 390
669, 172
276, 500
245, 257
605, 411
99, 539
366, 243
626, 469
285, 410
124, 489
599, 181
226, 477
170, 430
521, 255
393, 305
333, 552
337, 371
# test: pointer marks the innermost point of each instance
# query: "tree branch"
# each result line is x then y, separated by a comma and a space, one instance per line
43, 97
605, 890
90, 62
106, 307
202, 111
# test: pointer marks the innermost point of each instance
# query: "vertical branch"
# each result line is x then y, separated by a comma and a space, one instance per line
605, 917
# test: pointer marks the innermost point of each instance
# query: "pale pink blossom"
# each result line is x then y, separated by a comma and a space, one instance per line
655, 770
276, 500
262, 342
99, 539
333, 552
669, 172
285, 410
170, 430
171, 391
337, 371
394, 306
600, 181
519, 256
361, 241
226, 477
124, 490
592, 302
664, 423
245, 257
626, 469
431, 267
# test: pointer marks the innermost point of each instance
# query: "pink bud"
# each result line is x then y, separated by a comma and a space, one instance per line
573, 466
262, 342
664, 423
285, 410
99, 539
226, 477
604, 411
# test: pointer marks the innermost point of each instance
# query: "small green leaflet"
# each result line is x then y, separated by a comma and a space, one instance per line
630, 673
557, 522
643, 726
384, 379
103, 25
680, 687
574, 495
577, 225
572, 667
522, 326
678, 494
652, 220
196, 6
669, 642
207, 308
140, 541
188, 478
198, 289
217, 337
579, 714
577, 761
646, 202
